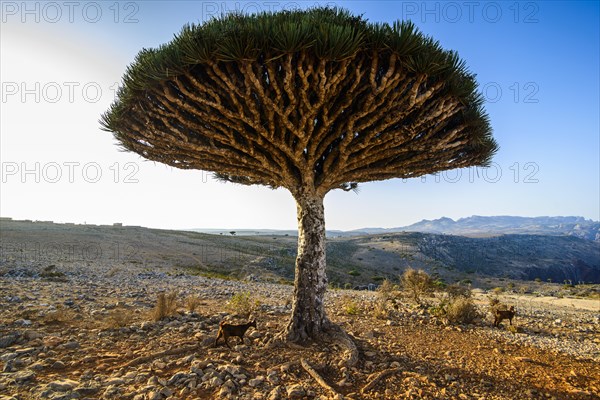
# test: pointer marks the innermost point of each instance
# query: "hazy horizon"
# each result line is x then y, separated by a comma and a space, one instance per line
234, 228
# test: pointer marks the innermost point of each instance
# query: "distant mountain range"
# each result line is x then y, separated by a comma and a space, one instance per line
502, 225
470, 226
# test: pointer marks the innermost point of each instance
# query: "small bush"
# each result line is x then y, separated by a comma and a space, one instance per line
498, 290
350, 306
417, 283
461, 310
243, 303
439, 285
354, 273
166, 306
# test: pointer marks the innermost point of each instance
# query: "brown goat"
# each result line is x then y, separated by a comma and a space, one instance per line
500, 315
226, 330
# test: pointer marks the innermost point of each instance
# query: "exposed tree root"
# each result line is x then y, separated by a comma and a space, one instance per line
170, 352
333, 333
378, 377
337, 334
311, 371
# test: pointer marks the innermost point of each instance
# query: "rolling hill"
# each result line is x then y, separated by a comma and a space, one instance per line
353, 260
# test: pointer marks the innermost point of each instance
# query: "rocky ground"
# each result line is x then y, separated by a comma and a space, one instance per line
86, 331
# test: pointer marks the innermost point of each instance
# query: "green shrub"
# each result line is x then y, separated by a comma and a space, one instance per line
350, 306
439, 310
439, 284
243, 303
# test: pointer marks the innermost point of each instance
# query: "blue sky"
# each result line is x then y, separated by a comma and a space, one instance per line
536, 62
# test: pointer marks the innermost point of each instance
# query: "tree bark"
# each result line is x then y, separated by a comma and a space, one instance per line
308, 319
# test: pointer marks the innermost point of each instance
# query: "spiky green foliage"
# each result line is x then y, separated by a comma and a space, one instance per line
318, 98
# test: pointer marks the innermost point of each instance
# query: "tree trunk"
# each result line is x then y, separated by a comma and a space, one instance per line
308, 320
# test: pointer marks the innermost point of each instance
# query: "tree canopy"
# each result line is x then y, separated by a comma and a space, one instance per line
316, 99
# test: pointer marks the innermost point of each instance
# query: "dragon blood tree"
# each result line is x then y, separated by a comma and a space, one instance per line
310, 101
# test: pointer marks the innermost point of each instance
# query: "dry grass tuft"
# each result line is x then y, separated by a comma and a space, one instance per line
461, 310
381, 310
166, 306
387, 298
192, 303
